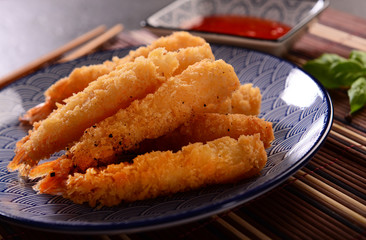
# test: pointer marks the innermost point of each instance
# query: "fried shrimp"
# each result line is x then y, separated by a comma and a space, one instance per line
224, 160
80, 78
82, 110
119, 88
204, 127
245, 100
173, 42
151, 117
166, 118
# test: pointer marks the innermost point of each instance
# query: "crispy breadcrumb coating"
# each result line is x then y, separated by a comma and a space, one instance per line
245, 100
224, 160
170, 99
80, 77
118, 88
66, 124
205, 127
158, 113
173, 42
153, 116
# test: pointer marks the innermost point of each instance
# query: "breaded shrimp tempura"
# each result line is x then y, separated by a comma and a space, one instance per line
246, 100
224, 160
157, 114
204, 127
173, 42
119, 88
79, 78
66, 124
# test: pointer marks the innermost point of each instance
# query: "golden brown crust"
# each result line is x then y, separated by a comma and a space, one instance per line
179, 99
80, 78
157, 114
245, 100
151, 117
224, 160
205, 127
103, 98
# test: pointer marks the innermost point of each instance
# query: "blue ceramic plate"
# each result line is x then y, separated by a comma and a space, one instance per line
297, 105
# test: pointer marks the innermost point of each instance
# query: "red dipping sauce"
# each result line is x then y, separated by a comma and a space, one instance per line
244, 26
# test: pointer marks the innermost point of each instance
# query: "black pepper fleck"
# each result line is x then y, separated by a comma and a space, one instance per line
110, 135
52, 174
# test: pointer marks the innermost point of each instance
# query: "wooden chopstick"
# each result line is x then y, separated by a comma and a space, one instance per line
87, 48
51, 56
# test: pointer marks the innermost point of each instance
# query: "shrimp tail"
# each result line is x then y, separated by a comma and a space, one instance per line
18, 160
39, 112
43, 169
54, 185
54, 175
21, 157
62, 165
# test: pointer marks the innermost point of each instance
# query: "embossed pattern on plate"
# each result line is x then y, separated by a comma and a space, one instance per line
300, 109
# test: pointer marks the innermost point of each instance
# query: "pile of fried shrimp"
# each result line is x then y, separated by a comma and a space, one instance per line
166, 118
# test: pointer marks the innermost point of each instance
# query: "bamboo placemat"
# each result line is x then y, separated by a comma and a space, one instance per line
324, 200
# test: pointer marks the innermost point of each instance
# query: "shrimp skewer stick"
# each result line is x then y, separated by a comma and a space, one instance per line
80, 78
204, 127
157, 114
119, 88
224, 160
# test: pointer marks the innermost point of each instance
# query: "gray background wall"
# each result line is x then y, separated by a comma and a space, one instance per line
32, 28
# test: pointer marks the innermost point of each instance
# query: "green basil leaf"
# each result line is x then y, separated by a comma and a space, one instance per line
346, 72
359, 56
357, 94
330, 58
320, 69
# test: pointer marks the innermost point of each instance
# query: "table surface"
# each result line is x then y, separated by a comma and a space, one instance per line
325, 199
